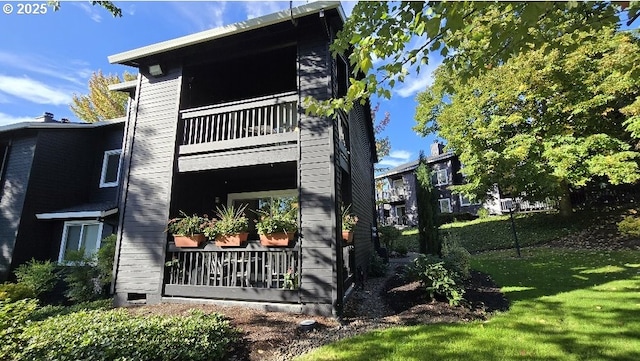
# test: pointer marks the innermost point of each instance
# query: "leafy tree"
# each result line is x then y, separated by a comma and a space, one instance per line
427, 210
108, 5
470, 36
558, 116
101, 103
383, 145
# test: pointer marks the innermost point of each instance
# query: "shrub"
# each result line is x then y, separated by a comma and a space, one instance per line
388, 236
14, 318
456, 258
630, 226
15, 291
47, 311
81, 278
401, 249
37, 275
117, 335
104, 259
483, 213
377, 267
436, 279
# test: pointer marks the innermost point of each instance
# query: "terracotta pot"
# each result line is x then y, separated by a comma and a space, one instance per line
347, 236
276, 239
231, 240
189, 241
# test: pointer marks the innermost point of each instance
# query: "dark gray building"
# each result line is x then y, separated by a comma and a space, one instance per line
59, 187
218, 118
396, 189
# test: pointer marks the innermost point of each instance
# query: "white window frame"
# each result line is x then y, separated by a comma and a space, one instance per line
448, 202
446, 177
462, 203
105, 163
63, 242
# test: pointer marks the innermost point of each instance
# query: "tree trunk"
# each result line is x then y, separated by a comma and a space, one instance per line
565, 207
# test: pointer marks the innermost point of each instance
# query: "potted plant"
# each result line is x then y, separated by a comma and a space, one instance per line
187, 231
349, 221
231, 227
277, 223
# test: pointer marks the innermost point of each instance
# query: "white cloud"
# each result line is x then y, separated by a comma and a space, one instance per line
202, 16
34, 91
395, 158
255, 9
92, 11
9, 119
76, 73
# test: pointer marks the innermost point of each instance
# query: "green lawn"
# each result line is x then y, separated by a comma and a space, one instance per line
495, 232
566, 305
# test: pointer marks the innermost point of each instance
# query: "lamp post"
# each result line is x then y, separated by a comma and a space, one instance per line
513, 228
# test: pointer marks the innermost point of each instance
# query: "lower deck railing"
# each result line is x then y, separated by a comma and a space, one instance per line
263, 269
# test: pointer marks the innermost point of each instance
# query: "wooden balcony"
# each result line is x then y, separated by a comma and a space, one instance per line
251, 273
248, 132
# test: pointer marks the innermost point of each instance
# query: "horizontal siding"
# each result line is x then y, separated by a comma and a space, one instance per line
363, 203
151, 152
14, 188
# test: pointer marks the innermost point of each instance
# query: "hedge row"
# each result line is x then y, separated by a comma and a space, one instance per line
117, 335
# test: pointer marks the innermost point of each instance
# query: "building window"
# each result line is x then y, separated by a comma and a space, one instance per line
80, 235
464, 201
441, 177
110, 168
445, 205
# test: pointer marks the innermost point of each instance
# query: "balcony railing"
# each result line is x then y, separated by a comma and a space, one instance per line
252, 273
260, 121
521, 205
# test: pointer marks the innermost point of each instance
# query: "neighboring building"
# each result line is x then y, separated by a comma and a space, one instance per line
59, 188
217, 118
396, 189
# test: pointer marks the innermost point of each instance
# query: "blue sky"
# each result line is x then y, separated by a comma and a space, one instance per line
46, 58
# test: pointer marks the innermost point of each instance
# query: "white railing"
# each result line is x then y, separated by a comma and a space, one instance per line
275, 114
521, 205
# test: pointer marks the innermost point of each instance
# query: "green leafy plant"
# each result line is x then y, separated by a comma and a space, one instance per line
456, 258
40, 276
349, 219
277, 216
15, 292
291, 280
377, 267
401, 249
104, 259
230, 220
81, 277
388, 236
483, 213
119, 335
187, 225
14, 318
435, 278
630, 225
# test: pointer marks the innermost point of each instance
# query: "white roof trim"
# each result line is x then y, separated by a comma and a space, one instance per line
73, 215
59, 125
216, 33
125, 86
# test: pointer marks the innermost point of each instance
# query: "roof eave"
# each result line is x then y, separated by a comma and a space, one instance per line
129, 57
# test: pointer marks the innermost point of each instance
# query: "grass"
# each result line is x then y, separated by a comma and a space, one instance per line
566, 305
495, 232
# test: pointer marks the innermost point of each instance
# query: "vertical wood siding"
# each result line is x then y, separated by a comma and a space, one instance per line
14, 188
317, 177
148, 173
